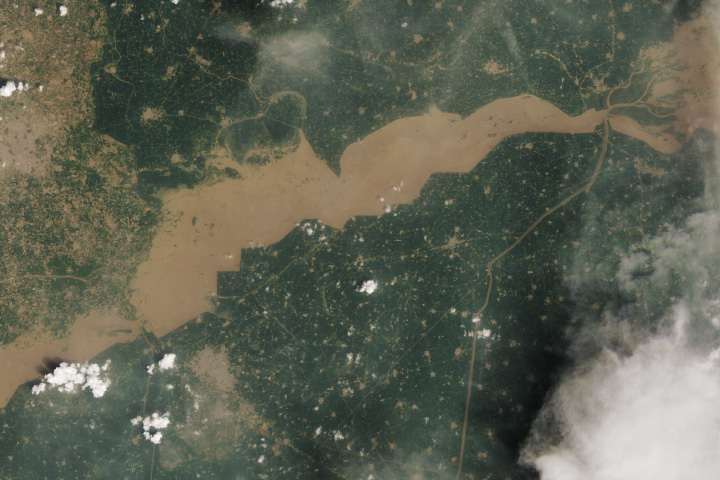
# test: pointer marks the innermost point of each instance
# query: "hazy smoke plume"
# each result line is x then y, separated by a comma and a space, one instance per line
643, 398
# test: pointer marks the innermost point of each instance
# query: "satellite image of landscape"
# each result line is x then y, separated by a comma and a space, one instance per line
360, 239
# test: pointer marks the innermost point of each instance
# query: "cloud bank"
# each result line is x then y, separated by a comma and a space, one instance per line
69, 376
642, 399
653, 414
152, 425
165, 363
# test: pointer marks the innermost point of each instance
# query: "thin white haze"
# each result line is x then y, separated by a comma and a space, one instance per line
651, 408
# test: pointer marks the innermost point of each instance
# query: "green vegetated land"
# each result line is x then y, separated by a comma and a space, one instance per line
296, 374
176, 80
70, 240
72, 225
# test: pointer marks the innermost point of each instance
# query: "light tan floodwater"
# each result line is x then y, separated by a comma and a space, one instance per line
386, 168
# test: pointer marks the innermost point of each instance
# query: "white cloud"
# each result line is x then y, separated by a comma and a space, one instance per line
167, 362
653, 414
480, 333
63, 10
152, 425
8, 88
353, 358
368, 286
156, 421
68, 376
39, 388
642, 399
281, 3
295, 53
38, 11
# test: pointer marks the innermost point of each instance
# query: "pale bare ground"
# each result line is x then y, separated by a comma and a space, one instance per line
220, 415
90, 335
32, 123
37, 52
388, 167
20, 144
